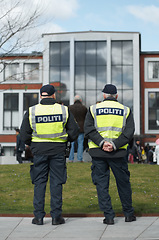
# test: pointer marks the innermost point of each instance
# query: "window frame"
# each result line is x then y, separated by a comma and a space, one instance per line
10, 77
146, 62
30, 71
38, 96
20, 71
20, 110
89, 46
11, 111
147, 130
63, 69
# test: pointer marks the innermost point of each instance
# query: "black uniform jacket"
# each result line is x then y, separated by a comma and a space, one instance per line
48, 148
92, 133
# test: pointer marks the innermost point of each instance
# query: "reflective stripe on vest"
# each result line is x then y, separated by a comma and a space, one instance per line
58, 118
115, 112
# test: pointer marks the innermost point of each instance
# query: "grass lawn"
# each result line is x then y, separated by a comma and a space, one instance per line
79, 193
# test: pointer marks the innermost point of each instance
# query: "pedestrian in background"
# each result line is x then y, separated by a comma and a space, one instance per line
46, 128
137, 152
157, 151
109, 126
150, 158
79, 112
20, 146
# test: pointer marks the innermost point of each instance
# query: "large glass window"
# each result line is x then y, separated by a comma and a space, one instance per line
30, 99
60, 69
11, 111
11, 71
153, 111
31, 71
90, 70
122, 69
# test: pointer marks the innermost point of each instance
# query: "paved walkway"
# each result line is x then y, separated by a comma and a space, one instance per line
88, 228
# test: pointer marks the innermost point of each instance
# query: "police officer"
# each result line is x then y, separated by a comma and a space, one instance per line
109, 126
47, 127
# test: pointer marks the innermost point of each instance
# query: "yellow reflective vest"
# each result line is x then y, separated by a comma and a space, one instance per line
48, 122
109, 119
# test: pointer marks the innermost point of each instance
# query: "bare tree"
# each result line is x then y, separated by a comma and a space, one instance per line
16, 20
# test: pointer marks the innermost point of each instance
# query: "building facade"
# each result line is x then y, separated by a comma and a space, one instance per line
82, 63
149, 81
20, 81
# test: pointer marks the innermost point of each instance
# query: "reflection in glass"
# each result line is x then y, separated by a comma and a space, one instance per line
11, 71
127, 77
80, 53
65, 97
59, 54
153, 111
90, 69
151, 99
15, 119
91, 53
120, 95
80, 77
7, 120
153, 70
54, 53
54, 74
122, 70
152, 114
101, 77
116, 53
152, 119
90, 98
90, 78
157, 118
65, 54
101, 53
117, 76
11, 101
11, 111
127, 53
59, 68
128, 98
100, 95
65, 76
157, 99
29, 99
31, 71
122, 53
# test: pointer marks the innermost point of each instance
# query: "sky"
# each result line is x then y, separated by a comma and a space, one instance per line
101, 15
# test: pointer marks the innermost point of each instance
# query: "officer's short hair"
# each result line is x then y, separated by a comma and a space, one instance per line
110, 95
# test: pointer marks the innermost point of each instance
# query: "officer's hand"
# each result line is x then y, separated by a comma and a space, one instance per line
107, 146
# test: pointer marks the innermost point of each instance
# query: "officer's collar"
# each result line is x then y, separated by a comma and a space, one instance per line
48, 101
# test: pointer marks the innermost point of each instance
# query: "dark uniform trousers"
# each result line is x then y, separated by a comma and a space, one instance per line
40, 170
100, 177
